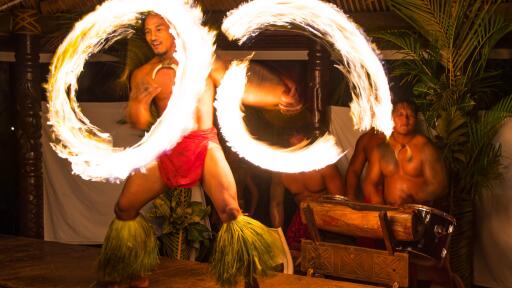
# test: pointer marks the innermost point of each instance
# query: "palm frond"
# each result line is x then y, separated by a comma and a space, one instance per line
452, 137
430, 17
474, 48
490, 121
487, 165
405, 39
422, 65
497, 28
470, 11
485, 87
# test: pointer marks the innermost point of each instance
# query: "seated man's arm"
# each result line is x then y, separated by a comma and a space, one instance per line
434, 173
333, 180
355, 168
372, 193
138, 111
276, 201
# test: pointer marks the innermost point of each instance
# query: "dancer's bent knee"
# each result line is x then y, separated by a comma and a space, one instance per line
230, 213
125, 213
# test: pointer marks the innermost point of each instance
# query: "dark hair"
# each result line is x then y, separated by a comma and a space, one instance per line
144, 15
405, 101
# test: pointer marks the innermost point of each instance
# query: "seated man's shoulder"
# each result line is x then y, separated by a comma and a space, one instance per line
422, 140
381, 150
425, 144
372, 138
382, 145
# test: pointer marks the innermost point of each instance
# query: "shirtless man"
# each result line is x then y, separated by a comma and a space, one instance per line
198, 156
310, 185
365, 144
410, 166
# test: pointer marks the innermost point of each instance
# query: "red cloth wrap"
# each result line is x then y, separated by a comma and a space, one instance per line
296, 232
182, 166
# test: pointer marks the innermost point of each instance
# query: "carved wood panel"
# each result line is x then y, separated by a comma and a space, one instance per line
27, 90
357, 263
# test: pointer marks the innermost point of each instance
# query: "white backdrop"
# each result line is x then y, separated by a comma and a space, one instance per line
76, 210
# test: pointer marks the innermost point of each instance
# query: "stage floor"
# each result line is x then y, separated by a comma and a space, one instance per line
31, 263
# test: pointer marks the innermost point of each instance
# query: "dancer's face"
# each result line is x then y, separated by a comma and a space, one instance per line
156, 30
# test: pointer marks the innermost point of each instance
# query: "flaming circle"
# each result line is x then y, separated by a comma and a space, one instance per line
291, 160
328, 24
90, 150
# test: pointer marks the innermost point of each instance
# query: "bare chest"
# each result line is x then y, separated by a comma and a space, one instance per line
404, 160
299, 183
165, 80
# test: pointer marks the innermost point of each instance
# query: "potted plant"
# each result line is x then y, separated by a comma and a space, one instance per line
445, 62
181, 223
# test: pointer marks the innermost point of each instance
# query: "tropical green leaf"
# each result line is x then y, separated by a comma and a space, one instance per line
475, 49
430, 17
198, 232
408, 41
180, 222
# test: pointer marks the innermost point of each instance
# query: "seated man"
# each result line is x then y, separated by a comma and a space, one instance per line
409, 166
302, 185
411, 170
365, 144
129, 251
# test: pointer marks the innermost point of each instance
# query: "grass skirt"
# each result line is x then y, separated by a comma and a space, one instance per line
244, 249
129, 251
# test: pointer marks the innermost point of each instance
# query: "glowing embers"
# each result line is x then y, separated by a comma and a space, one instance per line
326, 23
88, 149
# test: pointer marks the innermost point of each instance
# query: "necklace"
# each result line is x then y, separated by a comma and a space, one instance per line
400, 147
166, 64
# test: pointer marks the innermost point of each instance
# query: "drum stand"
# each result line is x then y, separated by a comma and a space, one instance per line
387, 267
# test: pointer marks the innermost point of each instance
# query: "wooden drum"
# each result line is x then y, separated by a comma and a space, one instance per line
339, 215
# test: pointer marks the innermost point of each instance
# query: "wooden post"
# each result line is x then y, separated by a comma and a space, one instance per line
27, 90
318, 58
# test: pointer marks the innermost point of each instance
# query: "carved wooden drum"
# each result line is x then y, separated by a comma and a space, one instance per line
421, 230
